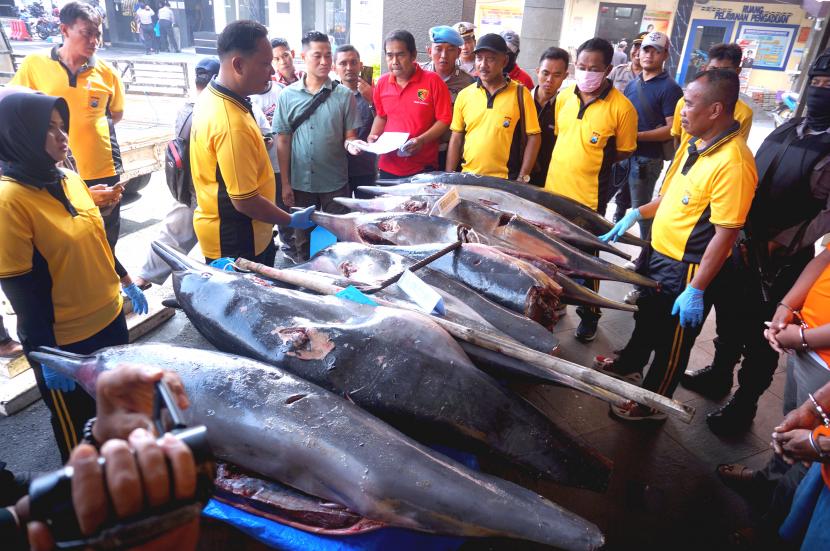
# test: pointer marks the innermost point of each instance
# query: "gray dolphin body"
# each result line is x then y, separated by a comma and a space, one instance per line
273, 423
421, 197
396, 364
491, 228
575, 212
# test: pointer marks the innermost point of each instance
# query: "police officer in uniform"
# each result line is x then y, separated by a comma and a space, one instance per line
790, 212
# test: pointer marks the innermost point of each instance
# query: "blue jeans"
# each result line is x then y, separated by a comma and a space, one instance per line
641, 180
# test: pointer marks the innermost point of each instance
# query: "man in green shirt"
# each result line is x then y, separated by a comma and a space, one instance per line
314, 168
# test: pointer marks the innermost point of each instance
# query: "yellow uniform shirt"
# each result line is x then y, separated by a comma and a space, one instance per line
93, 95
491, 127
38, 234
588, 138
704, 189
743, 114
228, 160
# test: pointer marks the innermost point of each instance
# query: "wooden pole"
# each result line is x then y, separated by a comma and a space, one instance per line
585, 377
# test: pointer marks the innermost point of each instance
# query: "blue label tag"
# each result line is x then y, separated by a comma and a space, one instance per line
351, 293
320, 239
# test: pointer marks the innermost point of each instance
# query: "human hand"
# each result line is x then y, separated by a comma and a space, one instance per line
372, 138
783, 316
352, 146
128, 480
124, 399
301, 219
137, 297
689, 305
411, 147
784, 339
287, 195
105, 196
794, 446
631, 217
366, 90
56, 381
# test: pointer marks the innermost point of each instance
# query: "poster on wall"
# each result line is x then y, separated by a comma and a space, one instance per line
749, 49
494, 16
655, 21
774, 43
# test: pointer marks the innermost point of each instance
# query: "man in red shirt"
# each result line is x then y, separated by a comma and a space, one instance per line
412, 100
513, 70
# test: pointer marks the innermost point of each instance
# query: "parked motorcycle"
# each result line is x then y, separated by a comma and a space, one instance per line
47, 26
785, 109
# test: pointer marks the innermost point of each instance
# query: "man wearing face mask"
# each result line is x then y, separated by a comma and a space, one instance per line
596, 126
791, 211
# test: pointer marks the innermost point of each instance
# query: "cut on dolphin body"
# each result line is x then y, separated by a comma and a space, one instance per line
398, 365
278, 425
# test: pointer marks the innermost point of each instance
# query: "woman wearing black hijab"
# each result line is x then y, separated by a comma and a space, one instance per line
56, 267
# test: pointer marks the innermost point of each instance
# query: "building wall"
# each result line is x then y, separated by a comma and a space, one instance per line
580, 19
417, 16
541, 29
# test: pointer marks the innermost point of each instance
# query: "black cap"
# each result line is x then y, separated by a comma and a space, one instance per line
492, 42
821, 66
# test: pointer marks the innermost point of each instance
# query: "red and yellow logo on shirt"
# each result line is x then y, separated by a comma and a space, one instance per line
423, 94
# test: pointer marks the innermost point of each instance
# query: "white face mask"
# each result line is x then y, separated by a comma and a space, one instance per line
588, 81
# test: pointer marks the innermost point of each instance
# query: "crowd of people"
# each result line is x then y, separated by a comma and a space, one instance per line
726, 229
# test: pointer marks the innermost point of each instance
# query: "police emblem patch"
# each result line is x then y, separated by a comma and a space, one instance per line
423, 94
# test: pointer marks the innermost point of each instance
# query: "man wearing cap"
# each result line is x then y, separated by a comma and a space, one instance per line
467, 60
444, 50
177, 228
654, 95
409, 99
513, 70
621, 75
595, 126
490, 122
620, 56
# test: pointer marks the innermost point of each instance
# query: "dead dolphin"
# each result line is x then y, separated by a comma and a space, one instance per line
399, 365
370, 265
504, 276
278, 425
570, 209
488, 226
421, 197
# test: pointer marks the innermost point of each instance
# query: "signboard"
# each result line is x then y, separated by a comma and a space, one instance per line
494, 16
750, 49
749, 13
655, 21
774, 44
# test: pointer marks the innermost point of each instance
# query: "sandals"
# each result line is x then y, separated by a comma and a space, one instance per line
735, 474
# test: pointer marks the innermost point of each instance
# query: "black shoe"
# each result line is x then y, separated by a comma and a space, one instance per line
732, 418
587, 330
709, 382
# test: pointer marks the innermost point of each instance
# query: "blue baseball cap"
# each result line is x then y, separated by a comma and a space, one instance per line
209, 65
445, 35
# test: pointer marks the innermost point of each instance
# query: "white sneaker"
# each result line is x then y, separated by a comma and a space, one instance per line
629, 266
632, 297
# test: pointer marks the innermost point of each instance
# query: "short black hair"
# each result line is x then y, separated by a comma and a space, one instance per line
73, 11
402, 36
598, 45
554, 53
240, 36
346, 48
722, 85
729, 52
203, 79
277, 42
314, 36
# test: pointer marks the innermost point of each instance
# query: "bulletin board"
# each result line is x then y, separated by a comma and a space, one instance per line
775, 43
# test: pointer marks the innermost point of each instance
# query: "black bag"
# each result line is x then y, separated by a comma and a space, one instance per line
177, 164
318, 100
667, 146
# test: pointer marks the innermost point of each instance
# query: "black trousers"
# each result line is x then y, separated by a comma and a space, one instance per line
360, 180
71, 410
167, 41
286, 233
266, 257
324, 202
383, 175
112, 219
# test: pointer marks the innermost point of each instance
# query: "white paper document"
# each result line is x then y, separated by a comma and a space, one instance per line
388, 141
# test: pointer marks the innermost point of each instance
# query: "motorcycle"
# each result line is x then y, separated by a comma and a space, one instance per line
47, 26
785, 109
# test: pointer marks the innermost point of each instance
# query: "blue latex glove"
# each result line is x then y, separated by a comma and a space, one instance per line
301, 219
225, 264
56, 381
137, 297
631, 217
690, 307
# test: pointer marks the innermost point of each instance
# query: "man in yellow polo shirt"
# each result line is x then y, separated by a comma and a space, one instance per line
595, 126
231, 170
488, 120
95, 95
721, 56
702, 206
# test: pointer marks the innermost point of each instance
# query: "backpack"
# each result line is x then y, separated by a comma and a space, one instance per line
177, 164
